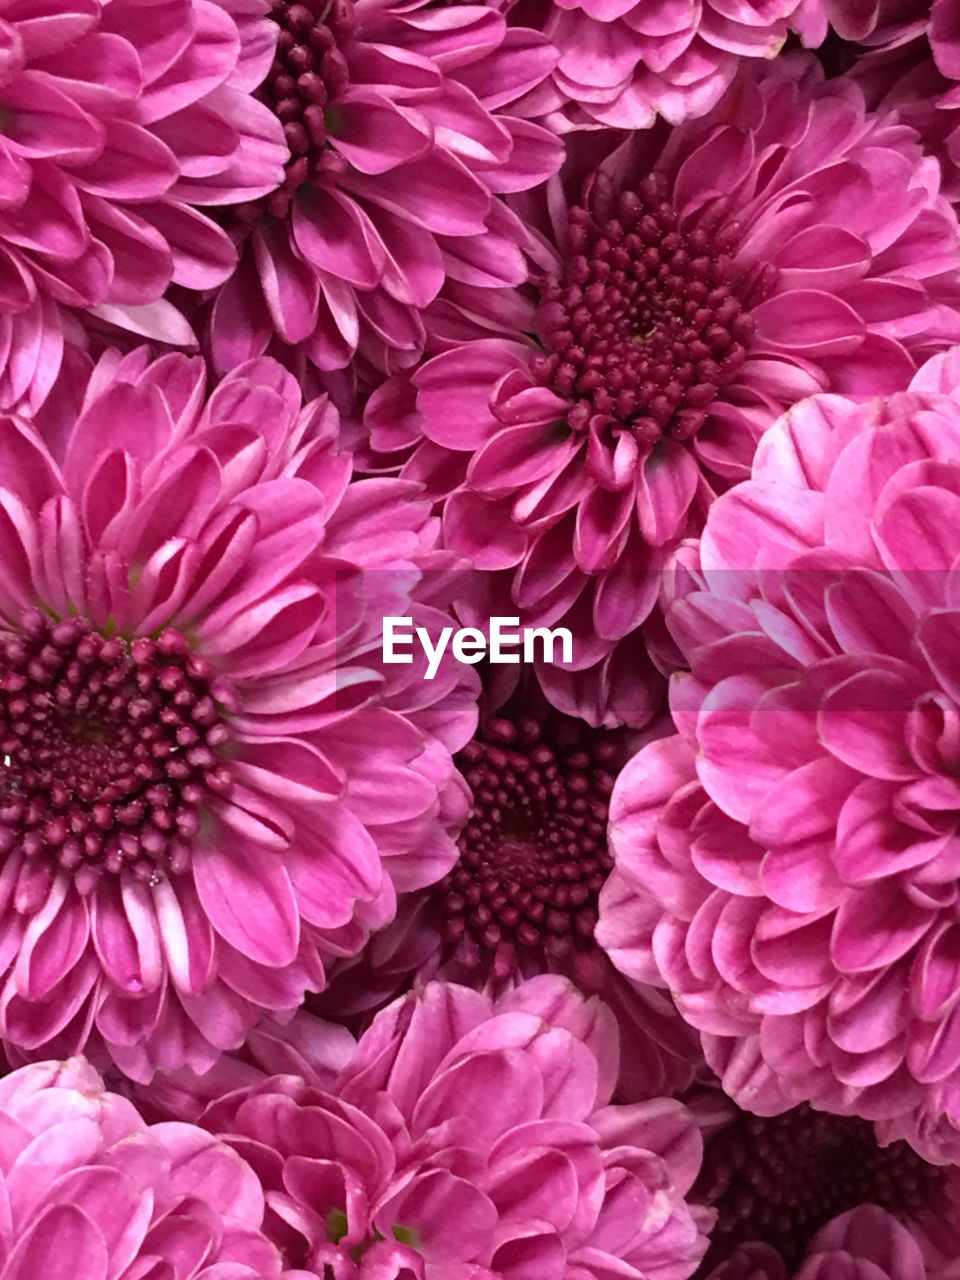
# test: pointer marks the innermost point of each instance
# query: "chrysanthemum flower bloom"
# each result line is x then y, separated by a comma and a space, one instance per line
522, 898
91, 1191
806, 1185
624, 62
399, 123
473, 1140
695, 284
912, 63
788, 862
118, 120
208, 784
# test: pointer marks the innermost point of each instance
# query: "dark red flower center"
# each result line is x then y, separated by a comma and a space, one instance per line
646, 324
533, 854
778, 1180
107, 747
308, 73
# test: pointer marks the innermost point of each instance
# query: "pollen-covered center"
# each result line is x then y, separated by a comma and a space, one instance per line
533, 854
646, 324
309, 71
107, 748
780, 1179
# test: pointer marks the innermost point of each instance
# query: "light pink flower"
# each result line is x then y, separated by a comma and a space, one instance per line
624, 62
694, 284
91, 1191
403, 136
210, 785
121, 121
788, 863
473, 1140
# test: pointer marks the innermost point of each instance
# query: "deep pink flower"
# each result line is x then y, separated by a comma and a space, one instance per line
808, 1186
624, 62
402, 135
91, 1191
522, 898
693, 286
119, 120
210, 785
864, 1244
912, 63
473, 1140
788, 863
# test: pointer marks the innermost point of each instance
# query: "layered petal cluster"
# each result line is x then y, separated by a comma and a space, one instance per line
473, 1140
864, 1244
806, 1193
118, 121
788, 862
912, 63
522, 897
694, 285
210, 785
624, 62
91, 1191
403, 135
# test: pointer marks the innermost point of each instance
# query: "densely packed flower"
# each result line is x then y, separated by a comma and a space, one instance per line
624, 62
119, 123
474, 1140
89, 1190
402, 135
210, 784
801, 1194
788, 862
522, 897
694, 284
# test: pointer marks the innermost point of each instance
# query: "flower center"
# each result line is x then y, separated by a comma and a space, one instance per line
107, 748
533, 854
646, 325
307, 74
778, 1180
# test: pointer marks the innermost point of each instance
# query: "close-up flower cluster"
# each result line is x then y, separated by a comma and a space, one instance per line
480, 640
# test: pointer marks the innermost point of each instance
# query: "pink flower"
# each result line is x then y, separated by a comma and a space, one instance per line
788, 863
209, 784
624, 62
797, 1193
866, 1242
473, 1140
119, 120
522, 898
91, 1191
402, 135
913, 64
693, 286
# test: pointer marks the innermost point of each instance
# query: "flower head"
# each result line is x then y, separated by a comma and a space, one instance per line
92, 1191
521, 900
118, 122
806, 1185
208, 783
402, 136
624, 62
694, 284
788, 862
473, 1139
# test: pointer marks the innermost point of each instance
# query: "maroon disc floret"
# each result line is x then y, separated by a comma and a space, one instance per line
533, 854
646, 324
308, 72
108, 747
779, 1179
